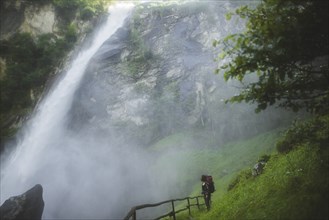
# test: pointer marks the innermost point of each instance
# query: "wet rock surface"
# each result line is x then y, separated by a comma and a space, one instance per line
28, 205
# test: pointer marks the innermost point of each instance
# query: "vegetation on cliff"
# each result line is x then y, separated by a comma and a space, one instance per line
85, 8
28, 62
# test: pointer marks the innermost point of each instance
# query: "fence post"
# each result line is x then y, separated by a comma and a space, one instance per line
188, 205
173, 209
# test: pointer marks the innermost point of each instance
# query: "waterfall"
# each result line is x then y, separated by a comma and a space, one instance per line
44, 153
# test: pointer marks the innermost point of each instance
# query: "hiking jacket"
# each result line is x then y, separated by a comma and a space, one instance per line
205, 188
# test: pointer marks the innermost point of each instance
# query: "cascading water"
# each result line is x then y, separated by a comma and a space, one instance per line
45, 152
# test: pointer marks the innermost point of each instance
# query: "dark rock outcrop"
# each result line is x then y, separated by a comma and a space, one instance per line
258, 168
29, 205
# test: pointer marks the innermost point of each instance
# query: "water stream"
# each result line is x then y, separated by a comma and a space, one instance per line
44, 153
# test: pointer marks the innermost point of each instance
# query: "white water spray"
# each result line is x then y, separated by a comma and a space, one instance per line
43, 137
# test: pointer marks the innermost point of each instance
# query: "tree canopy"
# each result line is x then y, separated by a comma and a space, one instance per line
286, 44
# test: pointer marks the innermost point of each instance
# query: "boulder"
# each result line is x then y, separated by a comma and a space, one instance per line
258, 168
29, 205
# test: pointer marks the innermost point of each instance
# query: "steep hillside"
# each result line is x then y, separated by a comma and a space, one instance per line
293, 184
222, 162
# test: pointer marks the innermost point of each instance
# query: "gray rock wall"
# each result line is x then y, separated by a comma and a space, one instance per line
155, 77
36, 18
24, 16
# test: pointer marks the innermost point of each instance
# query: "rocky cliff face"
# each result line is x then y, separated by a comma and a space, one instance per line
22, 16
156, 77
35, 18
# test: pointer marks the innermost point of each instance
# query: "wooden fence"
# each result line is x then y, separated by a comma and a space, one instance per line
133, 212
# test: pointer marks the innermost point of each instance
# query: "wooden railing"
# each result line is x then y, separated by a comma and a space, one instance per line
133, 212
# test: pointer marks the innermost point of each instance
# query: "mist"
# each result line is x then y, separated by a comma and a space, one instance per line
96, 142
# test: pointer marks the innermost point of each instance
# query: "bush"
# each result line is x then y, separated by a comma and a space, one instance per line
264, 158
71, 34
315, 130
88, 8
67, 4
28, 65
87, 13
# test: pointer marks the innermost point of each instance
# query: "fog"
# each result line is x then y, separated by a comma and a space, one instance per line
82, 177
93, 142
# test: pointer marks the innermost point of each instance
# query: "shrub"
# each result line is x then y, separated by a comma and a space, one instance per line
87, 13
264, 158
88, 8
66, 3
315, 130
71, 34
28, 65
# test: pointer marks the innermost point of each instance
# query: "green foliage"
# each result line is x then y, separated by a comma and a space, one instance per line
19, 53
71, 34
87, 8
140, 49
315, 131
264, 158
286, 44
67, 4
39, 1
87, 13
29, 63
141, 58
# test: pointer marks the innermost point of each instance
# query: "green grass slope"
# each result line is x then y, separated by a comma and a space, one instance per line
293, 185
223, 163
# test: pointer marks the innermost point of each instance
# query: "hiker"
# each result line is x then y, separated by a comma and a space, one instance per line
207, 189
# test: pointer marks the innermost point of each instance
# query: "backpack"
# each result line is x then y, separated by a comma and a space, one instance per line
211, 184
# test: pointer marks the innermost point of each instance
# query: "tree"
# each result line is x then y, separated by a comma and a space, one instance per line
285, 44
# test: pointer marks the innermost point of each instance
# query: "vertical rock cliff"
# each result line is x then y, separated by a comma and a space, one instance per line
156, 78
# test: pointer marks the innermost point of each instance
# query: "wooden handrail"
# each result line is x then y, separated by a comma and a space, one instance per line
133, 211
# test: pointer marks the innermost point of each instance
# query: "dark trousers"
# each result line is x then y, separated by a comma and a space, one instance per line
207, 200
